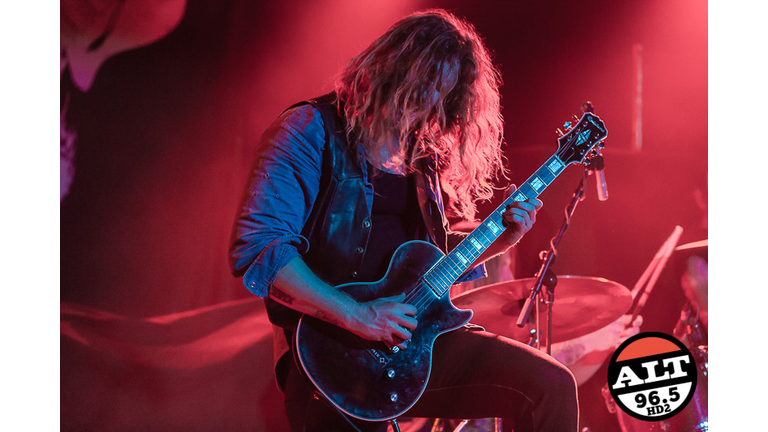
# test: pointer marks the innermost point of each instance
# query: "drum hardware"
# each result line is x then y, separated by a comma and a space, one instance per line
545, 276
439, 425
694, 418
647, 281
694, 245
688, 329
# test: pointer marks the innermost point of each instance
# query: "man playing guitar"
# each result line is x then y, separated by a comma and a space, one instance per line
349, 188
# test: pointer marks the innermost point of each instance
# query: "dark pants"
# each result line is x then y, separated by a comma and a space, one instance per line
474, 375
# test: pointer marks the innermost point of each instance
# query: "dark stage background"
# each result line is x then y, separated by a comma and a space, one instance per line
155, 332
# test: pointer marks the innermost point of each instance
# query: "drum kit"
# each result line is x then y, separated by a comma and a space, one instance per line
584, 305
691, 330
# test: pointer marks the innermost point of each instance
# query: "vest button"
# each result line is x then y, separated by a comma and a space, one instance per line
360, 250
367, 223
354, 275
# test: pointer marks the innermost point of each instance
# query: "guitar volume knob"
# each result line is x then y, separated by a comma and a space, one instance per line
393, 396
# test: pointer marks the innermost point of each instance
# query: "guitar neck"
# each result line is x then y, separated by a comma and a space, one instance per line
446, 271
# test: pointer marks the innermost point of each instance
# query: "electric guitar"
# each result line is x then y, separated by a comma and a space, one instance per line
370, 381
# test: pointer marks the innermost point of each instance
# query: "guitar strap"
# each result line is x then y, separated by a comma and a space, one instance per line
429, 212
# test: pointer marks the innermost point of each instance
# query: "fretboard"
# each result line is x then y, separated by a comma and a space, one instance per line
448, 269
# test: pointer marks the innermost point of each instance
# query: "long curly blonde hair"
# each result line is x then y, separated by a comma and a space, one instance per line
428, 87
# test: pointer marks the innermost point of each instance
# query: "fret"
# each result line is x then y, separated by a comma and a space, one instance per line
453, 269
537, 184
545, 176
527, 190
479, 230
469, 251
539, 181
478, 246
555, 165
442, 280
494, 227
517, 196
428, 281
433, 285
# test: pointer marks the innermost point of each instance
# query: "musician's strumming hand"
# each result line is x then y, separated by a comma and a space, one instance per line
520, 217
387, 320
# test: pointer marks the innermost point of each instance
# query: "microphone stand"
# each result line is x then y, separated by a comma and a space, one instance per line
545, 276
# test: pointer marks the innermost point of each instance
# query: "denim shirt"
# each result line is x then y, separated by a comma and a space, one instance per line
285, 180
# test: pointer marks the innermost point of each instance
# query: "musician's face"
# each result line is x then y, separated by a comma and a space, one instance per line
436, 85
444, 81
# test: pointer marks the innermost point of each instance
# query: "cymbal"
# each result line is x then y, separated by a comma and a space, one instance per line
699, 244
582, 305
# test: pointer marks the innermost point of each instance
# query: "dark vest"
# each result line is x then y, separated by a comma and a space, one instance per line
340, 222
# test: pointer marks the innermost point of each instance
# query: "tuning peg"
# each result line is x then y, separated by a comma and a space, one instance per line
574, 117
559, 132
567, 125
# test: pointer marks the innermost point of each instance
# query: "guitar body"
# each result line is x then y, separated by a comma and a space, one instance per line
365, 379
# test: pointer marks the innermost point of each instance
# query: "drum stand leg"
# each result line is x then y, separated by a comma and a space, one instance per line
437, 426
461, 426
395, 426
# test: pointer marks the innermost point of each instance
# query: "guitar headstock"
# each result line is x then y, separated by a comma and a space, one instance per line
580, 139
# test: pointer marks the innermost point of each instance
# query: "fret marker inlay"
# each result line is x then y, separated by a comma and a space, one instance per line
495, 229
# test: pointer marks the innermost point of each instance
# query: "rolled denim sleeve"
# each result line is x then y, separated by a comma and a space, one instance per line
284, 183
